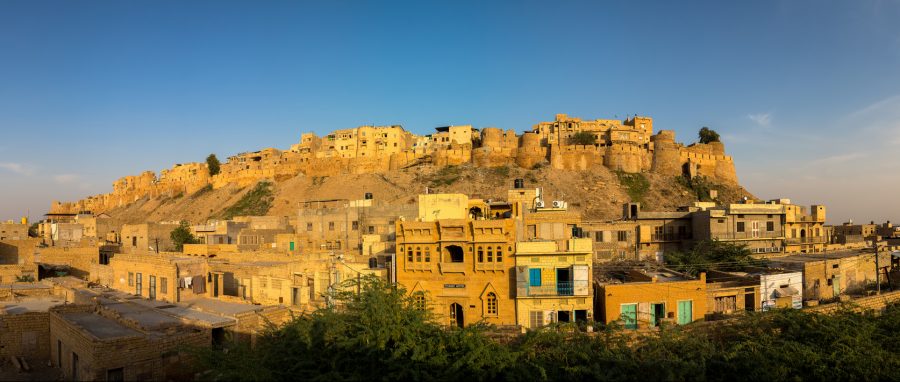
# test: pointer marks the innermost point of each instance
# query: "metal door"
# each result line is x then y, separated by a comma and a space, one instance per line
629, 316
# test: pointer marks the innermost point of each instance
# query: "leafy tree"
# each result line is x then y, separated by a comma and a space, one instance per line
708, 135
212, 163
711, 254
33, 230
182, 235
583, 138
378, 333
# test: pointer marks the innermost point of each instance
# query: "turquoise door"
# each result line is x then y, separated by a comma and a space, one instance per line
629, 316
685, 312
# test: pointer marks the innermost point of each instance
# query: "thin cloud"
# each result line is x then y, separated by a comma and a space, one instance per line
887, 103
65, 178
18, 168
837, 159
761, 119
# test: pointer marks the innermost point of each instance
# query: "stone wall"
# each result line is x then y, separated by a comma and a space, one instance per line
876, 302
25, 335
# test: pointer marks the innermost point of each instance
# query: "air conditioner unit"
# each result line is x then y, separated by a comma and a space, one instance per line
539, 204
559, 204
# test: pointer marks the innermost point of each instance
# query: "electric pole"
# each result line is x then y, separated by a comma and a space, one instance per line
877, 269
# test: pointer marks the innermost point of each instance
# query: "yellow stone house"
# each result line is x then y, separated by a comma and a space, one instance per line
457, 266
553, 281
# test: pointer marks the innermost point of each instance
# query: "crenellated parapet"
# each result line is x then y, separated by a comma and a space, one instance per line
623, 145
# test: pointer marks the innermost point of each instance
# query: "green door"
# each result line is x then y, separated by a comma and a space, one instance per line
629, 316
836, 284
685, 312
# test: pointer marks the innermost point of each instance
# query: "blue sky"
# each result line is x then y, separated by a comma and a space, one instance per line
806, 94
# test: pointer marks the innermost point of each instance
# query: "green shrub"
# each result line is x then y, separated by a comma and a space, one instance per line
257, 202
583, 138
636, 185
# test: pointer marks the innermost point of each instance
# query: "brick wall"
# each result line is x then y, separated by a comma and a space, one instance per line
26, 335
860, 304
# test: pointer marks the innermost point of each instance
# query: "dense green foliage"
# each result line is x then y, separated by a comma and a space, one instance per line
636, 185
182, 235
212, 163
708, 135
34, 230
380, 335
584, 138
711, 254
256, 202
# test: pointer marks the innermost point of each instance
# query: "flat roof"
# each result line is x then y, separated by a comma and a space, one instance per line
194, 315
30, 305
148, 318
99, 326
819, 256
220, 307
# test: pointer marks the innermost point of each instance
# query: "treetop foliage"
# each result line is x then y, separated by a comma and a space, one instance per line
212, 163
379, 334
182, 235
712, 254
708, 135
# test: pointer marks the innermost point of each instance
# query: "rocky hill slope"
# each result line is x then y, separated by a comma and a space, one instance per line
597, 193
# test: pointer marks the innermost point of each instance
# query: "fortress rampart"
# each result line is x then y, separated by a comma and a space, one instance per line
628, 146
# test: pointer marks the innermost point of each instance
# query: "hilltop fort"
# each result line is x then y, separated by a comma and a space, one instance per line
625, 146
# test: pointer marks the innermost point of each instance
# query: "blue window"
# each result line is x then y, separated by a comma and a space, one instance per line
534, 276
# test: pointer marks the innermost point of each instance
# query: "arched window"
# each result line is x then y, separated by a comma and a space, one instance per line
480, 254
490, 253
418, 254
419, 300
427, 254
409, 254
491, 304
499, 254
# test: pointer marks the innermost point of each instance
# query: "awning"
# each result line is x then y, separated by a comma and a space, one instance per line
785, 292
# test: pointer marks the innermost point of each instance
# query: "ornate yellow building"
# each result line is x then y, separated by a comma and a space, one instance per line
459, 268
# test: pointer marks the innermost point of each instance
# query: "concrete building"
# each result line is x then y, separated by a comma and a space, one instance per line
11, 230
147, 237
613, 240
163, 277
828, 275
17, 260
660, 231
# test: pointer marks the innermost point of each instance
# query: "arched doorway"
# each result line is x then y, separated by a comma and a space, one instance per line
475, 213
802, 233
456, 315
454, 254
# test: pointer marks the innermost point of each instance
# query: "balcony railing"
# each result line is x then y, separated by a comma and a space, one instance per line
805, 240
670, 236
560, 288
453, 267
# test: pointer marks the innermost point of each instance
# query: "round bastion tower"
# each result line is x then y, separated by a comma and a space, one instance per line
530, 151
666, 154
490, 154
